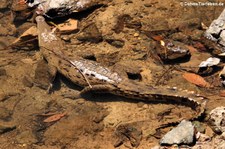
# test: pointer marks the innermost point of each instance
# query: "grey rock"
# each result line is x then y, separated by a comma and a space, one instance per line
217, 119
216, 27
222, 38
64, 7
182, 134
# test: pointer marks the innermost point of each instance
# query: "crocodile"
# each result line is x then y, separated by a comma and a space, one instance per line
94, 77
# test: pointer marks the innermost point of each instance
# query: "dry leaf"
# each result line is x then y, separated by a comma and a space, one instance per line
69, 25
196, 79
192, 49
54, 118
157, 37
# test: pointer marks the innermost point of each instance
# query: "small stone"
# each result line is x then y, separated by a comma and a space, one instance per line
140, 104
118, 43
136, 34
182, 134
148, 5
216, 27
217, 119
145, 106
212, 61
128, 1
115, 42
179, 37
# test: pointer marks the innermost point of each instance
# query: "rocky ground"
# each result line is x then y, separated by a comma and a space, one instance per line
117, 34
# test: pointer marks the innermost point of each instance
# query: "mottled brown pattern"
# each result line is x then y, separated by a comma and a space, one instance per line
120, 85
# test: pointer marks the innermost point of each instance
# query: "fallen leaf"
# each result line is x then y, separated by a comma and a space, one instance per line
54, 117
69, 25
196, 79
157, 37
192, 49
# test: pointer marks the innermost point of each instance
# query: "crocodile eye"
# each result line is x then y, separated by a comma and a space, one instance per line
93, 75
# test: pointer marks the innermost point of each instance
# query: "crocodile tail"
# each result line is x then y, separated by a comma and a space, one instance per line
183, 97
164, 95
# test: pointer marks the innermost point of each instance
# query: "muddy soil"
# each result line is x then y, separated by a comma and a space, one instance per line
117, 36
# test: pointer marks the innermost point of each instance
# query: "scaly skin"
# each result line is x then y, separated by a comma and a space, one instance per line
94, 77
